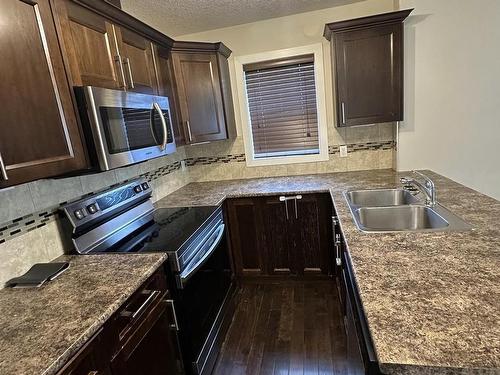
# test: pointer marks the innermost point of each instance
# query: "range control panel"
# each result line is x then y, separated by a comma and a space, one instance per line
88, 209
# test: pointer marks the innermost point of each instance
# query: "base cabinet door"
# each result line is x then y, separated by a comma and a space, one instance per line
279, 243
310, 234
91, 359
39, 134
246, 233
355, 362
152, 350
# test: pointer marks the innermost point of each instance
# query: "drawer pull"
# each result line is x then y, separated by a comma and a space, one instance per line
152, 295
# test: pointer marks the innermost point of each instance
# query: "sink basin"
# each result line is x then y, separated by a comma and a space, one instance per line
380, 197
400, 218
407, 218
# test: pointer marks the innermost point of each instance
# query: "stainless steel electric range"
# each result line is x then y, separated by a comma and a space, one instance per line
124, 220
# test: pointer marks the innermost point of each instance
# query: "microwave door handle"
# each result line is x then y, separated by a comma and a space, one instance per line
191, 270
157, 108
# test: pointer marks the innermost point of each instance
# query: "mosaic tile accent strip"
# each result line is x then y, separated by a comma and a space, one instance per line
37, 220
368, 146
207, 160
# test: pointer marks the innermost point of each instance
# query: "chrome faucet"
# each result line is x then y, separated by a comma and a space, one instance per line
428, 187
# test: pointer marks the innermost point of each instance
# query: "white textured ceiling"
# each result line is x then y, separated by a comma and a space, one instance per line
179, 17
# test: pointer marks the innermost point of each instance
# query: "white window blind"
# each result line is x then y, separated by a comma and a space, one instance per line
282, 105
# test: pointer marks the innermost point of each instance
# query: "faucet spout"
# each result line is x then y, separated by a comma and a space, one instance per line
428, 187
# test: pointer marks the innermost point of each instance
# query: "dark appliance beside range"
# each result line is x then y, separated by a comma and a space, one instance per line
124, 220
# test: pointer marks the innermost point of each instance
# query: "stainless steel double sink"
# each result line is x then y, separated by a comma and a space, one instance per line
398, 210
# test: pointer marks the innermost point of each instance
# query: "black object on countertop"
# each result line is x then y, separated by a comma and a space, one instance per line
38, 275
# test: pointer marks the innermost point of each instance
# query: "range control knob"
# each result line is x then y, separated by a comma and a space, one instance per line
138, 188
92, 208
80, 214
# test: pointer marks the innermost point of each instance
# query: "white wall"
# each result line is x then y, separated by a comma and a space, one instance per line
452, 91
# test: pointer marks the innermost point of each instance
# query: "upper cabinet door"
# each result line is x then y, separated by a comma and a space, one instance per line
200, 97
137, 60
91, 47
368, 68
164, 74
369, 78
39, 134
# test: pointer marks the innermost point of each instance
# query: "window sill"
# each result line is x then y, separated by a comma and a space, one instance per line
284, 160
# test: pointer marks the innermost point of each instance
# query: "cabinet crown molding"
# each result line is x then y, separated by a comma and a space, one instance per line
122, 18
185, 46
363, 22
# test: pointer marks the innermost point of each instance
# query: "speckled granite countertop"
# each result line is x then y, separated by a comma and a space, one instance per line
40, 329
432, 300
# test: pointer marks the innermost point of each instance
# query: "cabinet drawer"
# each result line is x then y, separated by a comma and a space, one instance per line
90, 359
139, 312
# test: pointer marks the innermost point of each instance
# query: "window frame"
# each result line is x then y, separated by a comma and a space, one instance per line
319, 78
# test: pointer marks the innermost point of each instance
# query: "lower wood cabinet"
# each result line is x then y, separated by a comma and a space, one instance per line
287, 235
141, 338
152, 348
92, 359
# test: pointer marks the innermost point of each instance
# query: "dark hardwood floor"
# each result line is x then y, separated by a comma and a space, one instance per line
291, 327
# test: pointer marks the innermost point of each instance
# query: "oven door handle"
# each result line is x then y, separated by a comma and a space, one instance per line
163, 125
216, 237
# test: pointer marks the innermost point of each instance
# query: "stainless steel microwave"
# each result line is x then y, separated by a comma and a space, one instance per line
124, 128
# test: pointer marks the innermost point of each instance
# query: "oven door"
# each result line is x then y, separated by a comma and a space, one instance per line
202, 297
127, 127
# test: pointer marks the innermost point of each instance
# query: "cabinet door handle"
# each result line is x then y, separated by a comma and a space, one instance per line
338, 260
176, 324
118, 59
133, 315
285, 199
3, 170
343, 112
189, 131
129, 69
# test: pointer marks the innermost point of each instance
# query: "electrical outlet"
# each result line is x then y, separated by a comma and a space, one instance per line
343, 151
183, 165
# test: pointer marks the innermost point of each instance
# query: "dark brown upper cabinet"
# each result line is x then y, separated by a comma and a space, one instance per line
201, 79
137, 59
101, 53
90, 44
39, 133
368, 68
164, 75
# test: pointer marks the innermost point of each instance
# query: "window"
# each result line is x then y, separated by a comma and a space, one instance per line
282, 105
281, 98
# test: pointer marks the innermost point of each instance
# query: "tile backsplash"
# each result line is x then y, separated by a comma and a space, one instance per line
30, 229
369, 147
